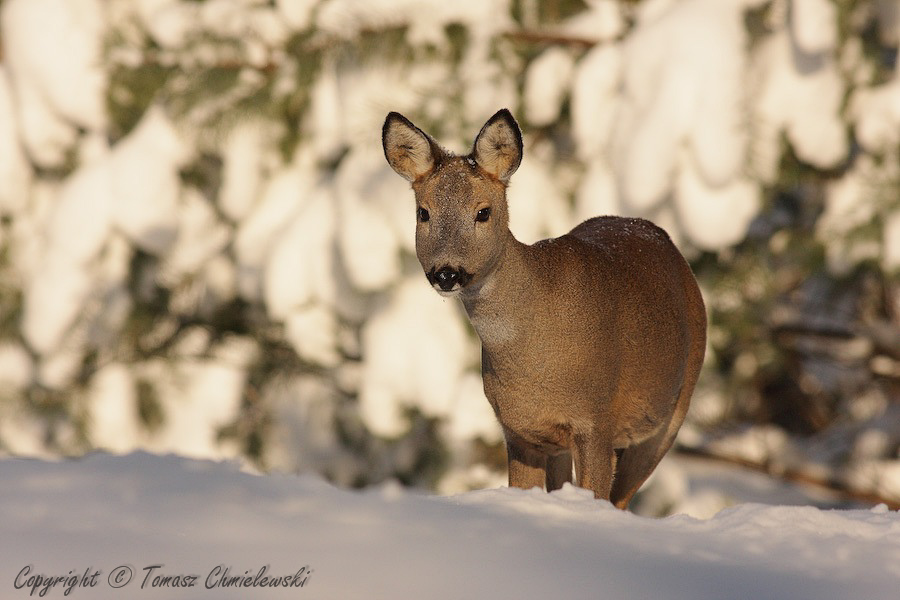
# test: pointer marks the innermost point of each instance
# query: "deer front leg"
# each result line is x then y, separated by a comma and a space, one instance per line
559, 470
595, 463
527, 467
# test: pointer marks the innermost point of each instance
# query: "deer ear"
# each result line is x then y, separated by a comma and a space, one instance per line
408, 149
498, 146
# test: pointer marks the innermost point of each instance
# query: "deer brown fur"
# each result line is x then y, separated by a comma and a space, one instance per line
592, 342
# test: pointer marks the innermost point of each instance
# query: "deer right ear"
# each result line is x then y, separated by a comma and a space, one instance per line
408, 149
498, 146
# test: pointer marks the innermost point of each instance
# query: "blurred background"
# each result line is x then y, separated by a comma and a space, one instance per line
203, 251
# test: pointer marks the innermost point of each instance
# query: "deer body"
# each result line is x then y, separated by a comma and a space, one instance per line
591, 342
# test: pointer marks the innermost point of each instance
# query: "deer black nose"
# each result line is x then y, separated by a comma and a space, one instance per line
446, 278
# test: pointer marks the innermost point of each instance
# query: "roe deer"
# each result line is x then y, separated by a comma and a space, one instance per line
592, 342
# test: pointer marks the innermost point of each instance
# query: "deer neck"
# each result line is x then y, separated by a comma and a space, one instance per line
497, 307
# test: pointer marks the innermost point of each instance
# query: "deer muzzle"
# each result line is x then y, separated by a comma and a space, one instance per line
448, 279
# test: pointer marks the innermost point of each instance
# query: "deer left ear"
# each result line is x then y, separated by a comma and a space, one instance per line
498, 146
408, 149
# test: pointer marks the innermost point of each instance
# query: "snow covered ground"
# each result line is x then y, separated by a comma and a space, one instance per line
106, 518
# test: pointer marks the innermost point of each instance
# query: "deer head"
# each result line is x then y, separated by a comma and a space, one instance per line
461, 212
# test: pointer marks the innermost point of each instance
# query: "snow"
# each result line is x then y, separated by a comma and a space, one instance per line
472, 416
46, 319
603, 20
15, 366
200, 237
594, 99
415, 351
676, 128
23, 433
300, 266
242, 169
189, 516
547, 83
850, 203
814, 25
297, 13
876, 112
14, 172
818, 458
60, 83
84, 203
146, 185
714, 217
259, 27
488, 86
312, 331
65, 266
198, 397
597, 193
303, 434
283, 194
537, 209
370, 211
799, 96
133, 189
116, 424
169, 22
426, 18
324, 121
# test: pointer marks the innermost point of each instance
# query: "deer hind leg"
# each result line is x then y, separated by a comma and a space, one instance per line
559, 470
637, 462
634, 466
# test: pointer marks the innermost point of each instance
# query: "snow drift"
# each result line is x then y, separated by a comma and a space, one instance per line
121, 515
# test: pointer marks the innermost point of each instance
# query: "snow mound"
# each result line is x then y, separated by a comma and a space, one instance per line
798, 96
120, 515
682, 77
14, 172
55, 96
546, 83
416, 351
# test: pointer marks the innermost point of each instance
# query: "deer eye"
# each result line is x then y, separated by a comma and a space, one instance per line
422, 214
483, 215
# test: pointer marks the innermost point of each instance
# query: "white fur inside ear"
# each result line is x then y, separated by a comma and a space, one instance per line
407, 150
498, 148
